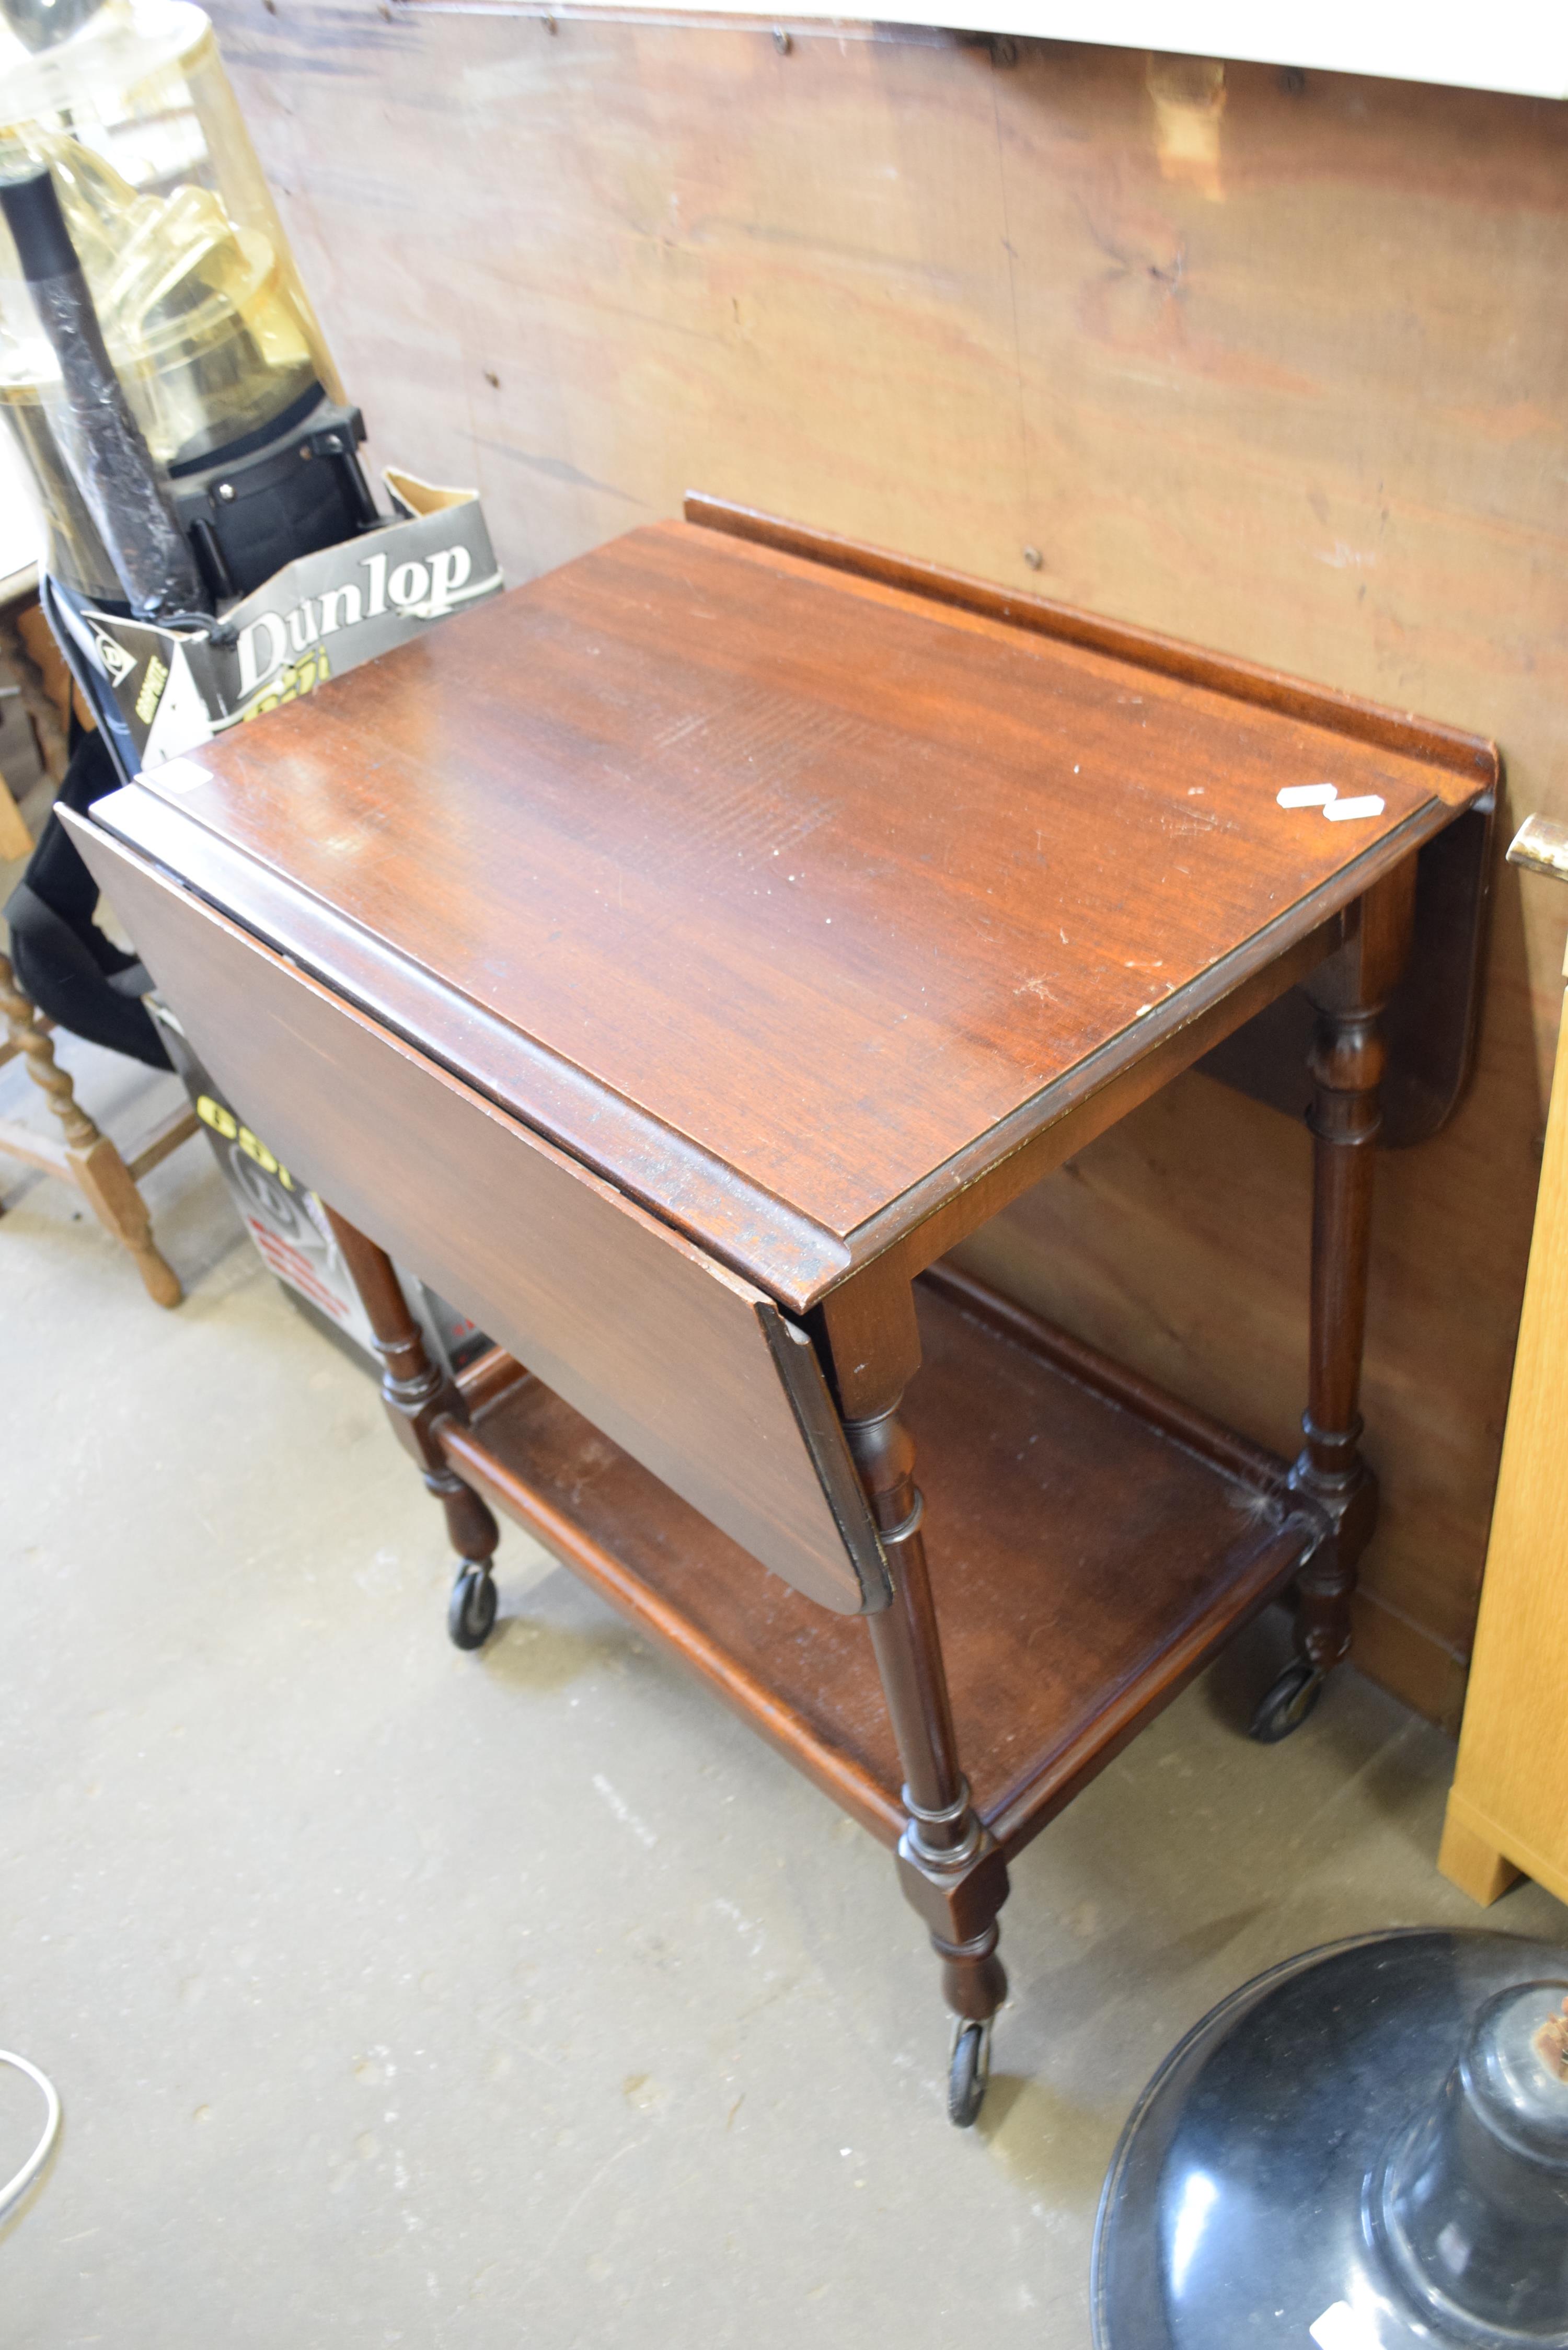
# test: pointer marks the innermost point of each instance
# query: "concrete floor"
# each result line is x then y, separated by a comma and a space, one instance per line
400, 1996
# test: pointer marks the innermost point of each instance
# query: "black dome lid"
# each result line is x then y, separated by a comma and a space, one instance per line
1364, 2149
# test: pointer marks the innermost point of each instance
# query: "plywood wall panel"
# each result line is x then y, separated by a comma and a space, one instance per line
1272, 362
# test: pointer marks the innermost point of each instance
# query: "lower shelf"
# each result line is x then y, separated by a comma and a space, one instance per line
1091, 1544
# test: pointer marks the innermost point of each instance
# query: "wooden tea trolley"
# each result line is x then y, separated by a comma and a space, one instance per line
671, 960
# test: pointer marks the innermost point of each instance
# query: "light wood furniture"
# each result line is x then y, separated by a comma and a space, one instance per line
18, 594
15, 840
1508, 1810
48, 694
82, 1153
673, 961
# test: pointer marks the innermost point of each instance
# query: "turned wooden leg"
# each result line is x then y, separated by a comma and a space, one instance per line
89, 1158
15, 840
54, 744
951, 1867
1346, 1063
416, 1396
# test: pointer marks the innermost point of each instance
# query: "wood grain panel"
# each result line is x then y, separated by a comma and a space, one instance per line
684, 1366
1294, 392
662, 1170
826, 878
1511, 1790
1090, 1547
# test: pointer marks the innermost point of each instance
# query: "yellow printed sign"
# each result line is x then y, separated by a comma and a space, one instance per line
290, 684
223, 1121
152, 685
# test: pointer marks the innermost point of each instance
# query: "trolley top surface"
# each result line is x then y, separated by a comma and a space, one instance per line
783, 894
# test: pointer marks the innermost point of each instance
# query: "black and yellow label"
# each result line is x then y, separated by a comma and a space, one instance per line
223, 1121
152, 686
300, 678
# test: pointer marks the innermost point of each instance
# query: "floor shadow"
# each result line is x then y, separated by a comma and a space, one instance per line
529, 1652
1046, 2142
1246, 1667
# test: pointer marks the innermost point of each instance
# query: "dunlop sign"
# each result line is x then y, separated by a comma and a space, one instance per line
176, 689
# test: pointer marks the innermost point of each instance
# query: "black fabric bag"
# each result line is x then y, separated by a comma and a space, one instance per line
73, 972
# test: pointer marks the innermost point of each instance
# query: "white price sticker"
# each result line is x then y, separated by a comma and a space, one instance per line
1326, 797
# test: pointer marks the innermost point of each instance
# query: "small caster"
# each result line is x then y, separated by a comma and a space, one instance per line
471, 1611
1286, 1706
968, 2071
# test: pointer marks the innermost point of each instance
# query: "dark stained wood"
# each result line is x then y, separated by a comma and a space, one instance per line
694, 1372
1346, 1063
909, 1651
952, 1870
650, 1164
1088, 1539
575, 821
438, 851
416, 1393
778, 836
830, 879
484, 1381
1432, 1019
560, 844
749, 1230
1448, 748
868, 1339
972, 1189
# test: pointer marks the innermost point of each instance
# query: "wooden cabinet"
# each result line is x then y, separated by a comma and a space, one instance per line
1508, 1812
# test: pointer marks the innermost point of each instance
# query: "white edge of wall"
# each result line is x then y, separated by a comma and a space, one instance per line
1520, 45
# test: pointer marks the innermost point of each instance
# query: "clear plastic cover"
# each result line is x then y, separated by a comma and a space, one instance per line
202, 309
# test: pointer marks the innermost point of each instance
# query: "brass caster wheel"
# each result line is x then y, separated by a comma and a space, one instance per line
1286, 1706
471, 1611
968, 2071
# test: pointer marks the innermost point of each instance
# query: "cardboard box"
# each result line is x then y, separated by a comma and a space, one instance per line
286, 1220
176, 689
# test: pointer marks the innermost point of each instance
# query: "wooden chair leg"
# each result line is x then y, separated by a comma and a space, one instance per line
951, 1867
104, 1180
15, 840
48, 724
416, 1396
89, 1159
